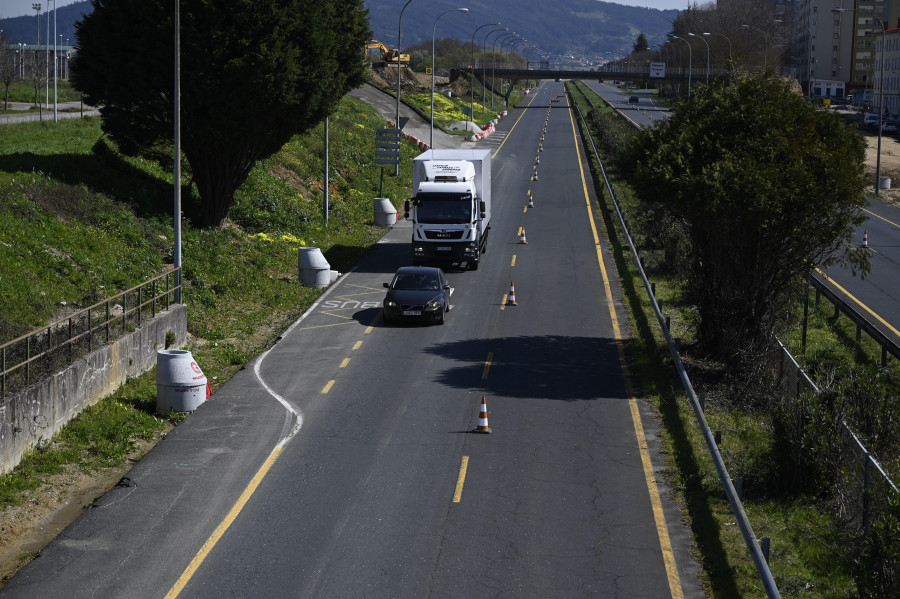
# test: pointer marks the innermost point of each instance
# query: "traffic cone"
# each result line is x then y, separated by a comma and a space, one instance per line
865, 239
530, 201
482, 418
512, 295
537, 159
522, 235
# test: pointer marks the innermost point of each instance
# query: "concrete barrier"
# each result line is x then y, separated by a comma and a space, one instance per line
34, 415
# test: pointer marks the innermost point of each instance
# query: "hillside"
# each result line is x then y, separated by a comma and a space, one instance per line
578, 27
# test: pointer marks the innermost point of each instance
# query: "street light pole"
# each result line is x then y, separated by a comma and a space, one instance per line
472, 101
484, 69
494, 61
707, 54
433, 30
766, 37
880, 90
726, 39
55, 55
690, 61
399, 48
177, 173
809, 66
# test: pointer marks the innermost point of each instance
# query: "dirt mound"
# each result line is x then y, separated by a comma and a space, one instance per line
412, 82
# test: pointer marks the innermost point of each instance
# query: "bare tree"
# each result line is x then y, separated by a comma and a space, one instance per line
7, 66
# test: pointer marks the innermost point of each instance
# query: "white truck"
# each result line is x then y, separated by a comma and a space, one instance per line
450, 207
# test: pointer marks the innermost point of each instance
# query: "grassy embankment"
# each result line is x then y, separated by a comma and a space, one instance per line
23, 91
812, 553
79, 221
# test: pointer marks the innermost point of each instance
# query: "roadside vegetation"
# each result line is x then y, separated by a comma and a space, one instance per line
23, 91
80, 221
802, 485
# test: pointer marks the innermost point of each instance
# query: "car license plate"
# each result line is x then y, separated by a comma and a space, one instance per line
443, 248
412, 313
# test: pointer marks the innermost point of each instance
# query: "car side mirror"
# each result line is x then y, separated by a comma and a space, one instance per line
387, 285
406, 209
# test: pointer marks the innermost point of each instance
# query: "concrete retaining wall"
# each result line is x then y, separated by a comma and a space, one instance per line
37, 413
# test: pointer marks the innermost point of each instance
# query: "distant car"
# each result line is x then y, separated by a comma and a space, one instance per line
870, 119
890, 127
417, 293
558, 79
634, 99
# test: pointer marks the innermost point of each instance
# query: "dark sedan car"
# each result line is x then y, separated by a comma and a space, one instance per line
418, 293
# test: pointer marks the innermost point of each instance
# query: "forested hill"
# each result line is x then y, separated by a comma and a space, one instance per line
576, 27
569, 27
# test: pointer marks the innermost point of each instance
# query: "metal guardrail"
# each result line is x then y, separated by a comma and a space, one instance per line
37, 354
753, 544
862, 324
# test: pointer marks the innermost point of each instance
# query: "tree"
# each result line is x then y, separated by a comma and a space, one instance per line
641, 44
765, 187
7, 66
253, 74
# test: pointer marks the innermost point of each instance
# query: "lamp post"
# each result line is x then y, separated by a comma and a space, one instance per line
37, 7
399, 49
766, 36
809, 65
176, 111
690, 61
880, 90
707, 54
512, 44
433, 30
472, 101
484, 69
494, 60
55, 53
726, 39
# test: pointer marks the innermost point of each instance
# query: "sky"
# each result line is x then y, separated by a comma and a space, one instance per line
16, 8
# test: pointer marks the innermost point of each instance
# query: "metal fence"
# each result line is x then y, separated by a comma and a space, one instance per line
865, 488
36, 355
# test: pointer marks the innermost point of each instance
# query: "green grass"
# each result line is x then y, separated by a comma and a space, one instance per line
79, 221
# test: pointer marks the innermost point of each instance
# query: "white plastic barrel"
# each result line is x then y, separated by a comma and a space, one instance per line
314, 268
385, 213
884, 183
180, 384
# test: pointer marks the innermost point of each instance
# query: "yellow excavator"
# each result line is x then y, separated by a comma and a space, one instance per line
388, 55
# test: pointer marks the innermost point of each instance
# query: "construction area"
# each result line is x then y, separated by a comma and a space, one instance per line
412, 82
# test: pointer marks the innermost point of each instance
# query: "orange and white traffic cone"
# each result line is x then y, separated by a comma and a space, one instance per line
537, 159
522, 235
512, 295
482, 418
535, 176
530, 201
865, 239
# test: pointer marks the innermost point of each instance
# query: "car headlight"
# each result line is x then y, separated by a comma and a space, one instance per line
389, 303
434, 304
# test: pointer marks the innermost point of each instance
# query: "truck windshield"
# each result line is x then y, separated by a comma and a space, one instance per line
444, 208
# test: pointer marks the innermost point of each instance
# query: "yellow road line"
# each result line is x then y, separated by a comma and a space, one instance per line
513, 263
357, 345
859, 303
890, 222
503, 302
345, 362
662, 530
328, 387
487, 365
223, 526
461, 479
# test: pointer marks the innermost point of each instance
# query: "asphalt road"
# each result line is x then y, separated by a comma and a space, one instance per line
341, 463
875, 296
646, 112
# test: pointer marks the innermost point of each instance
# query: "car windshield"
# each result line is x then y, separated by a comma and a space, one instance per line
444, 208
416, 282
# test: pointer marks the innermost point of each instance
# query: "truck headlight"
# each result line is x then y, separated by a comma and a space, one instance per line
418, 250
